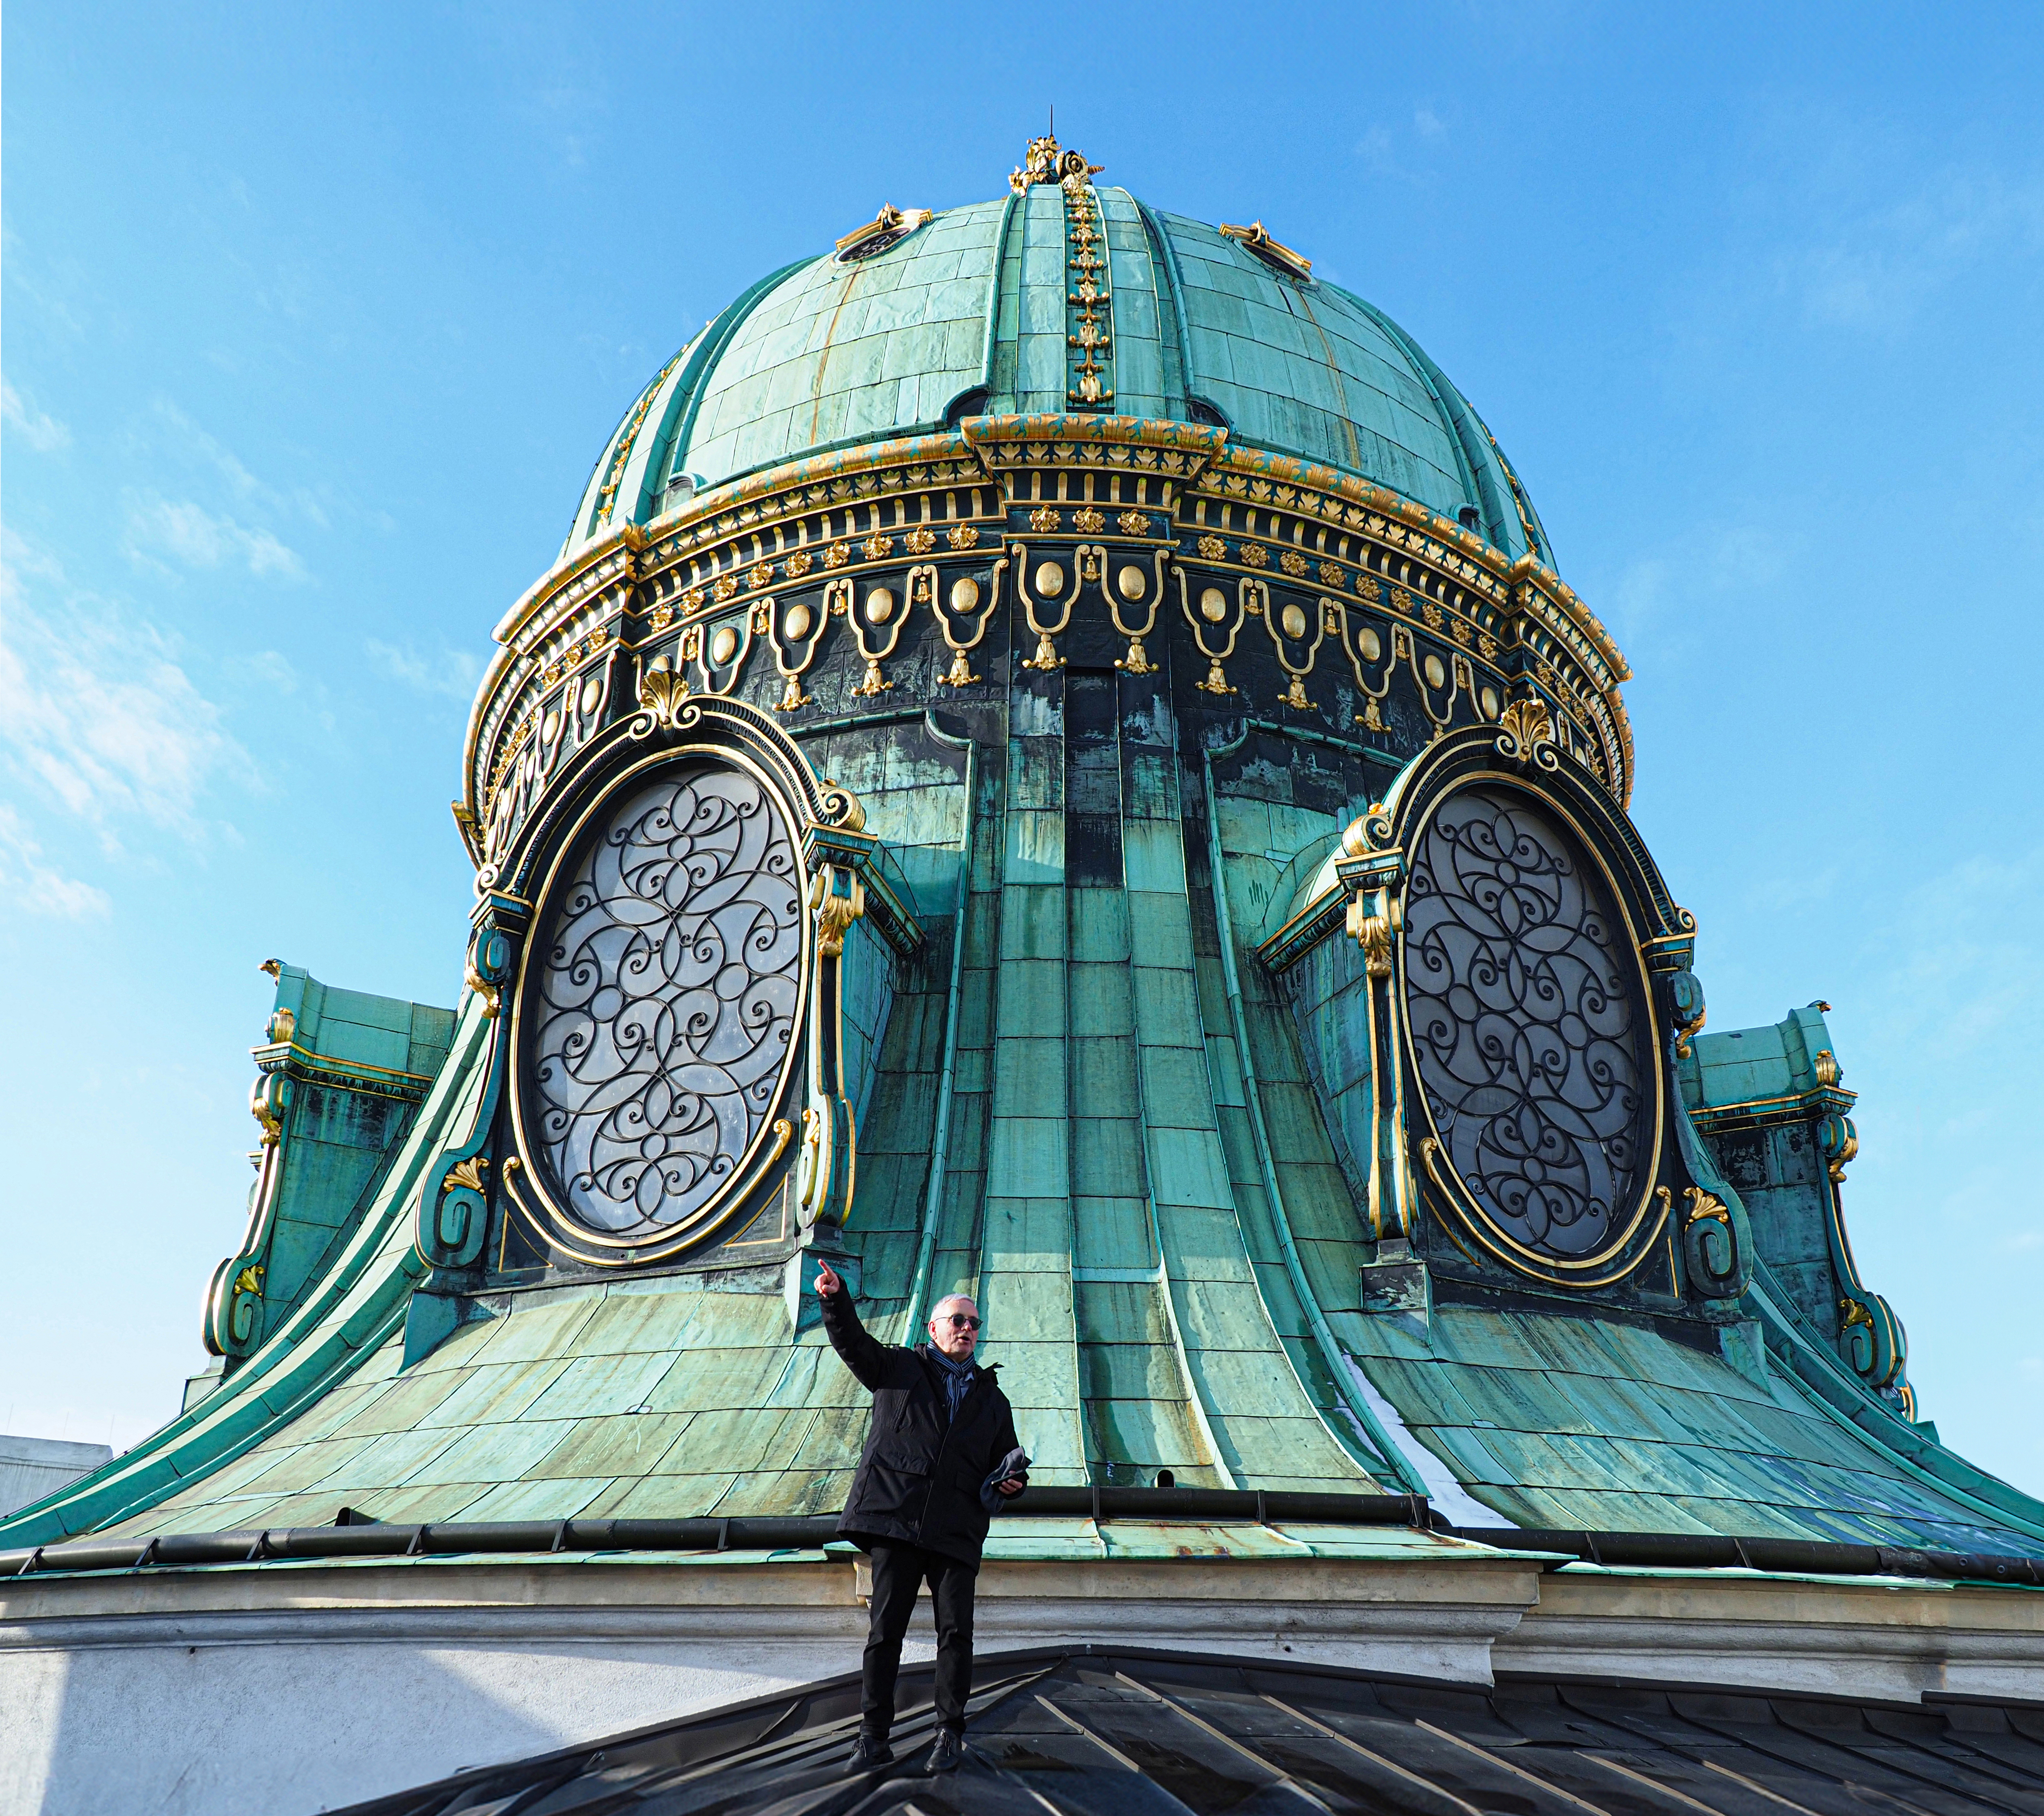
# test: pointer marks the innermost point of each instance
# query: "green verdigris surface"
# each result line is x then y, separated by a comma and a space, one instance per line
968, 316
340, 1082
1104, 1200
1080, 1095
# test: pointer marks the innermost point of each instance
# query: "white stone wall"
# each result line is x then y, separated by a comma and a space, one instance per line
297, 1688
31, 1468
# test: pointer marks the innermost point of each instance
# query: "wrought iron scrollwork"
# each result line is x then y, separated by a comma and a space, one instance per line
1527, 1023
667, 986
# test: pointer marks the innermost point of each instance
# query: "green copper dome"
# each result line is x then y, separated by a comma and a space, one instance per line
967, 313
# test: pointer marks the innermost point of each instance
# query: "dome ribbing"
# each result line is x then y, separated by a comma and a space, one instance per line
967, 313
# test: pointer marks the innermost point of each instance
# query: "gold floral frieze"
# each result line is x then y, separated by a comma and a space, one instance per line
1084, 475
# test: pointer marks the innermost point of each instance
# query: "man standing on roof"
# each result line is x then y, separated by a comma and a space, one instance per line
940, 1456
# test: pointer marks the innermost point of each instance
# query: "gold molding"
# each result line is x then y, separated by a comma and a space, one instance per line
558, 1228
1185, 480
1514, 1255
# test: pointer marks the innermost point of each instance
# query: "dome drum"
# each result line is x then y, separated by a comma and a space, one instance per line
1417, 625
1037, 585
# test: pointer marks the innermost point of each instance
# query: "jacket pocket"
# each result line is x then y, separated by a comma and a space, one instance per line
904, 1459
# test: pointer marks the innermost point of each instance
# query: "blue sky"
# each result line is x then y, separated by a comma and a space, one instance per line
316, 320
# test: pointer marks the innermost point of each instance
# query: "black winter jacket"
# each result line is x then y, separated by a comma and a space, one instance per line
920, 1478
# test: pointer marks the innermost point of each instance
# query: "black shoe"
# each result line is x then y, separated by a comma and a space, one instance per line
870, 1753
944, 1756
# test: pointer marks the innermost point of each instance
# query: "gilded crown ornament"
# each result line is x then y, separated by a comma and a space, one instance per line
1047, 162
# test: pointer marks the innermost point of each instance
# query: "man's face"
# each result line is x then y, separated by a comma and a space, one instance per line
955, 1328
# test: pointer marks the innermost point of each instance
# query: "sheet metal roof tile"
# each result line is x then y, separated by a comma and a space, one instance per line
707, 1379
383, 1462
492, 1391
486, 1454
527, 1333
623, 1444
792, 1493
1527, 1399
1290, 1449
662, 1497
1146, 1432
1482, 1340
1112, 1232
737, 1439
1399, 1337
591, 1386
390, 1406
625, 1323
291, 1469
1128, 1369
833, 1440
310, 1507
551, 1497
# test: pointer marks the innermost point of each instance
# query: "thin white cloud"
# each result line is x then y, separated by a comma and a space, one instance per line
1953, 979
1404, 152
43, 433
184, 437
31, 883
269, 669
1882, 252
1978, 973
164, 440
453, 672
96, 713
191, 535
1659, 599
1374, 148
41, 288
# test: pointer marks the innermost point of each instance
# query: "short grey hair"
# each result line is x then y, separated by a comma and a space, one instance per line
936, 1310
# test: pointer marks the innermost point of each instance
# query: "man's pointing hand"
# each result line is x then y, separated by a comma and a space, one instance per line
827, 1281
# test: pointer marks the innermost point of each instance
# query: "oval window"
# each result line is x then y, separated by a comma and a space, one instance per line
662, 999
1528, 1023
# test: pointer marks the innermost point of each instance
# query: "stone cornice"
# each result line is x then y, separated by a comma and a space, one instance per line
301, 1062
1479, 1610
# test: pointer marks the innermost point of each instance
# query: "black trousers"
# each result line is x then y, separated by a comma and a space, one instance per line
899, 1572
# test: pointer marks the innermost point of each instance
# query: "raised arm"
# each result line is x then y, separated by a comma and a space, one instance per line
855, 1348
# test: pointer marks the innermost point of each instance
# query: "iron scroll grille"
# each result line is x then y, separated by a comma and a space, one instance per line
662, 1001
1529, 1025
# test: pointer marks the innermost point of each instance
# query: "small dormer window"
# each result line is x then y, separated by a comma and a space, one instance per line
1293, 264
888, 228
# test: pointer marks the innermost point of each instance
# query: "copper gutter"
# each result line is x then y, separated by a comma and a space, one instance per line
355, 1536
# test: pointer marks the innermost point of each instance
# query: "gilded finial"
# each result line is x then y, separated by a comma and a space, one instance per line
1047, 162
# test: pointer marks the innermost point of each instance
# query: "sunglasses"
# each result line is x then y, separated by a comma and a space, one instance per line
958, 1321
